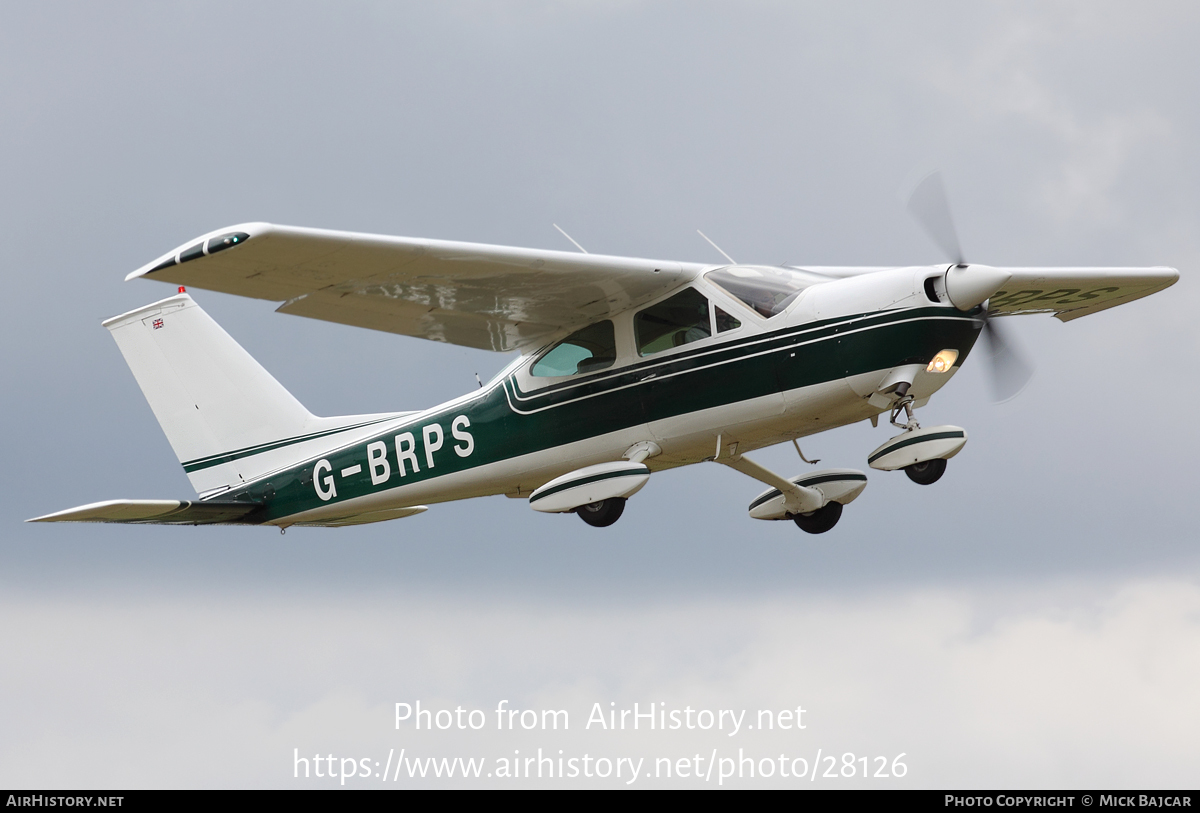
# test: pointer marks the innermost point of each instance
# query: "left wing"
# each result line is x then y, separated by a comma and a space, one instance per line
484, 296
1069, 293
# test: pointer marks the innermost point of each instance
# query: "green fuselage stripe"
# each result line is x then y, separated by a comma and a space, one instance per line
228, 457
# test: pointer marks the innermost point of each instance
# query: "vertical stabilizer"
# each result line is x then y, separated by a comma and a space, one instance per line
228, 419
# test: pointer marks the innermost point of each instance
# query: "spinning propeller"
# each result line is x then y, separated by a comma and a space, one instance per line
969, 285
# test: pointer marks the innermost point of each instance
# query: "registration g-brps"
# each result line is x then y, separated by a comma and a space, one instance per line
627, 368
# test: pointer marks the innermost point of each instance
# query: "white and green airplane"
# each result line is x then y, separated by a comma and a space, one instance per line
627, 367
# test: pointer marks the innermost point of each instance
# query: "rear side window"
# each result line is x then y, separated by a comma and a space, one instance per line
672, 323
584, 351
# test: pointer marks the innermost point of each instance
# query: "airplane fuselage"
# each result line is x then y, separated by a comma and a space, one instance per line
811, 368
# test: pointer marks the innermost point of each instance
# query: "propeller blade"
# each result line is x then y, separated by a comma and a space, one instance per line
1011, 371
928, 204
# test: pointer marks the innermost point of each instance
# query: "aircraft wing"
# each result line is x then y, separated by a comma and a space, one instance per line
156, 512
484, 296
1069, 293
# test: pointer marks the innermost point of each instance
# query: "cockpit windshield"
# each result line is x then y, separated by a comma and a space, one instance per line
767, 290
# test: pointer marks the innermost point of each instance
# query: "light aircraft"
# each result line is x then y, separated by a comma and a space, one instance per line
627, 367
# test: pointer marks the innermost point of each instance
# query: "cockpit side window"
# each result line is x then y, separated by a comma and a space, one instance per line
767, 290
584, 351
673, 322
725, 321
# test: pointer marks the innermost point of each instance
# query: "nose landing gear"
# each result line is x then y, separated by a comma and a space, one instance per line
905, 405
922, 453
926, 473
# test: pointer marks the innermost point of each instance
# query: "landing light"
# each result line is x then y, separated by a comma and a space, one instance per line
942, 362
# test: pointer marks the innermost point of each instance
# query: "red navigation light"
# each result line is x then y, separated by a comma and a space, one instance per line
182, 290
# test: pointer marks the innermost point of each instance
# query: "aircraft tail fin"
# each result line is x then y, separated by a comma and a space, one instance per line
228, 419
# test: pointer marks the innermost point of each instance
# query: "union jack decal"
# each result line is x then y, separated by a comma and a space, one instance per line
158, 323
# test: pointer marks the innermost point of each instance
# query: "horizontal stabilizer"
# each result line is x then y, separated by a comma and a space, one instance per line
157, 512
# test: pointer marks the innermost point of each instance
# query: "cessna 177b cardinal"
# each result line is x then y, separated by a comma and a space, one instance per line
627, 367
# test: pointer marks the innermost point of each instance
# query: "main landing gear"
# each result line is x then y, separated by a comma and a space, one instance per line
813, 501
596, 493
821, 520
603, 513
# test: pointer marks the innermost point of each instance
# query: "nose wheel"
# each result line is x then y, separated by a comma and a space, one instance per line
926, 473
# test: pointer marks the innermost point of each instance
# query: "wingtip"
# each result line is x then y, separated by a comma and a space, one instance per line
173, 258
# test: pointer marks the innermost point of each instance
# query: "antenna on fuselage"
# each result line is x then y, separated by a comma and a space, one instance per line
480, 380
718, 248
569, 237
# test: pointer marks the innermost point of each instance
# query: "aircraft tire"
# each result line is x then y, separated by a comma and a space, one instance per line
926, 473
602, 514
821, 520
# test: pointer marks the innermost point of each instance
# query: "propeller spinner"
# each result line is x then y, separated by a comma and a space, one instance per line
969, 285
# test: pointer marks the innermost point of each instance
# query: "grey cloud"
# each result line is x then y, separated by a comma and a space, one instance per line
1061, 683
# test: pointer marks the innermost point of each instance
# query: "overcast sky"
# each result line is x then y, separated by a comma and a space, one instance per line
1032, 619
